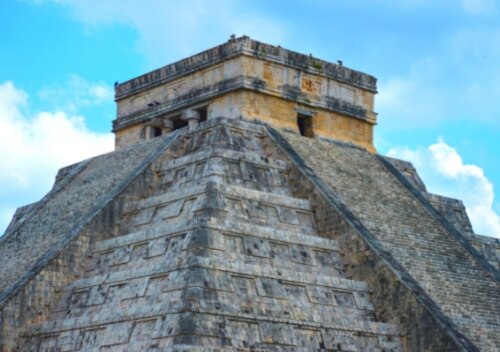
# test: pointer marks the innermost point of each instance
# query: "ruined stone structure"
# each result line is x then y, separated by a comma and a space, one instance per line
245, 209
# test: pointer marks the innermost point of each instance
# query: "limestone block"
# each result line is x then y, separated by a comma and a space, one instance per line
170, 210
308, 338
344, 299
257, 247
143, 330
157, 247
97, 295
116, 334
339, 340
362, 300
301, 254
244, 334
244, 285
321, 295
77, 299
270, 288
144, 216
296, 293
288, 215
390, 342
214, 166
70, 341
278, 334
167, 325
120, 255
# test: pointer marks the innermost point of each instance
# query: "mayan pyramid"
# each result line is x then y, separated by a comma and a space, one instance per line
246, 209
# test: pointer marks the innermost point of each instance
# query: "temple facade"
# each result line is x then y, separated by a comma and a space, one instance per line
246, 79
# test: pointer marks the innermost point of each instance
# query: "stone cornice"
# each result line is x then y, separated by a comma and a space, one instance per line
249, 47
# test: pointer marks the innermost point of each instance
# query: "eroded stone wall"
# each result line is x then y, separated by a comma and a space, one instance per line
220, 256
227, 241
253, 82
52, 240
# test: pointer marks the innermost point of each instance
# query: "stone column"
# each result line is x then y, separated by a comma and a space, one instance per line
156, 122
168, 125
192, 117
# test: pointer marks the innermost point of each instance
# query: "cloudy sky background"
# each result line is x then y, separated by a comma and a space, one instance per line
437, 63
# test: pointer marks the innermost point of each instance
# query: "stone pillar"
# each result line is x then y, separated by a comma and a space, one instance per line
148, 132
168, 125
156, 122
192, 117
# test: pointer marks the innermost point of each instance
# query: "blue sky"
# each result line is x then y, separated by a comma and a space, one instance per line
437, 63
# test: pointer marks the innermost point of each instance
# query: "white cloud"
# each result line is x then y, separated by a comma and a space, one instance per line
184, 25
76, 93
478, 7
33, 146
445, 173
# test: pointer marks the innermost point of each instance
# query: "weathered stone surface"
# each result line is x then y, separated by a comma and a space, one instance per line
213, 261
230, 235
247, 79
54, 216
47, 248
461, 285
489, 247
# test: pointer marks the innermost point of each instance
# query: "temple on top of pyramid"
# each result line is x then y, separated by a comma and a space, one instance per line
246, 209
247, 79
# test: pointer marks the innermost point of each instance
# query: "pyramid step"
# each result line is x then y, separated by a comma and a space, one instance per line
229, 167
238, 242
223, 303
236, 156
213, 199
204, 343
242, 295
173, 270
117, 326
234, 192
233, 228
235, 259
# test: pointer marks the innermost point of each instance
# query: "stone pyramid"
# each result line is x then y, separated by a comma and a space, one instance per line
206, 231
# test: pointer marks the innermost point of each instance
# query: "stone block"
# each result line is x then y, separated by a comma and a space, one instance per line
270, 288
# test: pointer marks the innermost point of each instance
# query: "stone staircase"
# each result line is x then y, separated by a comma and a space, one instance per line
221, 256
466, 293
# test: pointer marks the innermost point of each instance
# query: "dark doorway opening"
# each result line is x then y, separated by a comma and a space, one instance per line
178, 123
304, 123
203, 113
156, 132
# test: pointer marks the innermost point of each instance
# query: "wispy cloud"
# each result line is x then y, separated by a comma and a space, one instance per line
444, 172
34, 145
184, 25
478, 7
75, 94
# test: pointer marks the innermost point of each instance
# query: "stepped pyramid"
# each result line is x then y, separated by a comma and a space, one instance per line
245, 209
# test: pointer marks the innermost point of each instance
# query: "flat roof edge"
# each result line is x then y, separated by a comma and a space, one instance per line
245, 46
